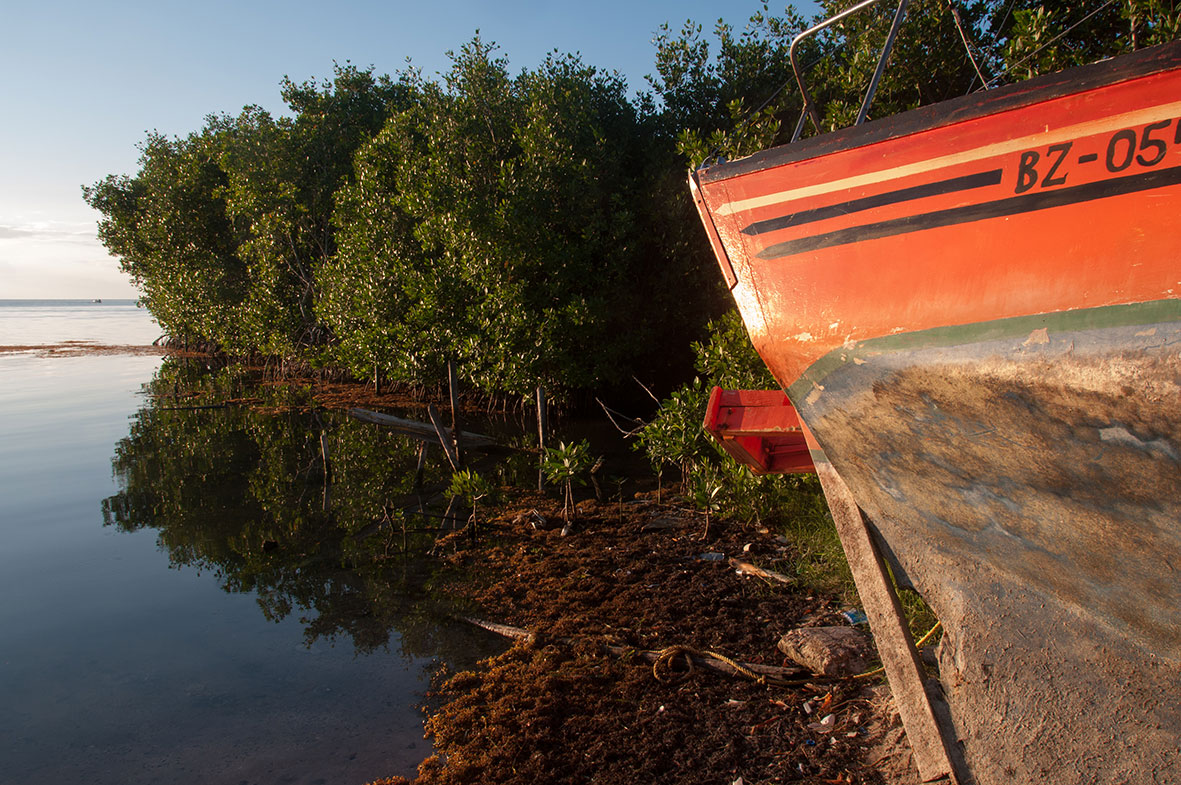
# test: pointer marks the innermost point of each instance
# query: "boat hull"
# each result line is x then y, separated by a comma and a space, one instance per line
974, 310
1027, 485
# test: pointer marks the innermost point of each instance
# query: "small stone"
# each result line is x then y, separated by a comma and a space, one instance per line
827, 651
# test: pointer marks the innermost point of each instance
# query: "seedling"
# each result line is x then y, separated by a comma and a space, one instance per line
565, 465
470, 486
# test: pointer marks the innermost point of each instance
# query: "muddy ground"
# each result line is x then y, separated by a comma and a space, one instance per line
639, 575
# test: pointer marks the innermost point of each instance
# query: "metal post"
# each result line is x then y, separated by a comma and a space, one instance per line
542, 427
453, 383
886, 49
809, 109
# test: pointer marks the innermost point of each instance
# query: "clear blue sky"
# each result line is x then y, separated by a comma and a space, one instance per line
85, 81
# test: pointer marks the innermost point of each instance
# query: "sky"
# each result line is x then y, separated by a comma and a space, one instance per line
84, 82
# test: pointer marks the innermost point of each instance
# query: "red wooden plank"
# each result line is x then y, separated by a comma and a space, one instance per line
759, 428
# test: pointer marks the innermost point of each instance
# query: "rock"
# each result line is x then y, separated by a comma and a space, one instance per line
828, 651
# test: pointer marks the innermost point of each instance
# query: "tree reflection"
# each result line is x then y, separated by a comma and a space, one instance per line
243, 491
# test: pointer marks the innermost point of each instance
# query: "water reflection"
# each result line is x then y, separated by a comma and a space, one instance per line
244, 491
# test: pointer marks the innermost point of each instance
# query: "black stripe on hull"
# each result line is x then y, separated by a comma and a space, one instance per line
998, 208
952, 185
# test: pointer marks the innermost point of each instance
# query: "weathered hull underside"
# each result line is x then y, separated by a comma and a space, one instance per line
1029, 486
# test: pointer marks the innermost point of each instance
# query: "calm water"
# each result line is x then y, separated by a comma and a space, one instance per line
31, 322
181, 597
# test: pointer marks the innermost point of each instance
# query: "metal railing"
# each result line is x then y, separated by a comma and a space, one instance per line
809, 109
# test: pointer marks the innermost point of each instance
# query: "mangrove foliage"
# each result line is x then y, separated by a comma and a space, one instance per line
531, 226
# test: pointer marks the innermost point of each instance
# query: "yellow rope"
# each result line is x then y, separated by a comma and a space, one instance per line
919, 643
666, 657
668, 654
747, 672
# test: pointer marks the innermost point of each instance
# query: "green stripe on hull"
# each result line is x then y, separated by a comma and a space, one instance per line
1082, 320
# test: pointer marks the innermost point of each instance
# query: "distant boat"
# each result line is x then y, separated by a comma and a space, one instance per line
96, 301
973, 308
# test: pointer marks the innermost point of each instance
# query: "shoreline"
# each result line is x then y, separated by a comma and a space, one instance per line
81, 348
635, 574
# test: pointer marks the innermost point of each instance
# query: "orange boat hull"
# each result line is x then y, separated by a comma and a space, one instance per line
974, 309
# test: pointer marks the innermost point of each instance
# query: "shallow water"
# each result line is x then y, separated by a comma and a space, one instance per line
179, 600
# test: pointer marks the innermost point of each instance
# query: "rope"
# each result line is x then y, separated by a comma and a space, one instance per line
921, 641
1005, 18
747, 672
666, 657
669, 654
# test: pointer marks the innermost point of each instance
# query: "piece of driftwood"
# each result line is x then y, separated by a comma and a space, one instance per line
613, 416
503, 630
422, 430
746, 568
444, 437
930, 741
708, 661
